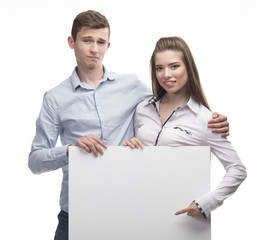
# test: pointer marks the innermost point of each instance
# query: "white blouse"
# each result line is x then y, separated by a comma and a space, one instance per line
187, 125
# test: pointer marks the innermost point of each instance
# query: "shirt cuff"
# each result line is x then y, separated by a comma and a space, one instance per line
207, 203
199, 207
59, 153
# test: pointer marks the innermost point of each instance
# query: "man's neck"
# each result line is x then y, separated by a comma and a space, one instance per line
91, 76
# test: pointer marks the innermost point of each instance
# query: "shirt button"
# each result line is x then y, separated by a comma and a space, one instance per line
98, 107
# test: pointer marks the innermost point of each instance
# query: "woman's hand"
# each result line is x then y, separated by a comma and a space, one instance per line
134, 143
192, 211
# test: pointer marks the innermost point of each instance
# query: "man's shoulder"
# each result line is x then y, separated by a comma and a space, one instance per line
128, 81
67, 83
62, 86
123, 76
60, 91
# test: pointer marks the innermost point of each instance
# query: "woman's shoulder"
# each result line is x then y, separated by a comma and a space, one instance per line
204, 113
201, 112
204, 116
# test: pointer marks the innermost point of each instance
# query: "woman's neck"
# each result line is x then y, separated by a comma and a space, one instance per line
174, 100
169, 102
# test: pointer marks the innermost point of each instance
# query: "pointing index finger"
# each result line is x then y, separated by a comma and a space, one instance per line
185, 210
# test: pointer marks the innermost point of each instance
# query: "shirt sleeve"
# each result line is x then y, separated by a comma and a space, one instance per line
44, 156
136, 124
235, 173
144, 92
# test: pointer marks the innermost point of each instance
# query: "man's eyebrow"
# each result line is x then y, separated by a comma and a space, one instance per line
90, 37
102, 39
87, 37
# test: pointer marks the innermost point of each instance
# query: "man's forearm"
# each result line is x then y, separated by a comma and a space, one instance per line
45, 160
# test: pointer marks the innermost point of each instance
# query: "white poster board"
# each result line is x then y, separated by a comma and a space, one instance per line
133, 194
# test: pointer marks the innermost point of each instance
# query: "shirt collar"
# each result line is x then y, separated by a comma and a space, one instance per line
152, 100
76, 82
192, 104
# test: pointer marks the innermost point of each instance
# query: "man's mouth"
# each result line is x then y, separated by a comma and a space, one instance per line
93, 58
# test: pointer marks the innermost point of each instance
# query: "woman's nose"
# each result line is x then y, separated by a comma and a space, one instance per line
167, 73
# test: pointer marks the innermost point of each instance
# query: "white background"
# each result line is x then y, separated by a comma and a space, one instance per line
226, 38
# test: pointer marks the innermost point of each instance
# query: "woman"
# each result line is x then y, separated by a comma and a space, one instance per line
177, 115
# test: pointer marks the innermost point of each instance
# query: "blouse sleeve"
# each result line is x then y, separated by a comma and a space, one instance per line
234, 176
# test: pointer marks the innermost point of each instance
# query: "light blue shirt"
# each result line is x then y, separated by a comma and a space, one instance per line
73, 109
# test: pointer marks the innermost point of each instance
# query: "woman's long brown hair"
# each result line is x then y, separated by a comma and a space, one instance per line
194, 87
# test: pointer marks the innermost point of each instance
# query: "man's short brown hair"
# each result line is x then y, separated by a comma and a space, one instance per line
89, 19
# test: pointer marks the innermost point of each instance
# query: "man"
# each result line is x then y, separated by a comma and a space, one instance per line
93, 108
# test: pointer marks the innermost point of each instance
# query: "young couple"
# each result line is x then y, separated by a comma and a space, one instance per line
94, 108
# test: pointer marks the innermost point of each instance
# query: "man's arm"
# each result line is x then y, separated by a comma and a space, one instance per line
219, 124
44, 156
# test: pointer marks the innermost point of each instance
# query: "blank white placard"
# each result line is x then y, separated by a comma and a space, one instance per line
133, 194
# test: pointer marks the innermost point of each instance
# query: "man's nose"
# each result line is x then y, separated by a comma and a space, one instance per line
94, 48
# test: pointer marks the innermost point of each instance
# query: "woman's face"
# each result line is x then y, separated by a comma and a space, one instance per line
171, 72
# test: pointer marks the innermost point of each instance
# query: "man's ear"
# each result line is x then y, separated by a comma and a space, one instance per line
108, 45
71, 42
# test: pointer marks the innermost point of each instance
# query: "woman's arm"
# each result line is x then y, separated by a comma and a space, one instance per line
235, 173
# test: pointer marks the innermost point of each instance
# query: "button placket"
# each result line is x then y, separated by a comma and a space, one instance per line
99, 107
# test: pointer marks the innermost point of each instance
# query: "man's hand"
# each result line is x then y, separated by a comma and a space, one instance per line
192, 211
219, 124
90, 143
134, 143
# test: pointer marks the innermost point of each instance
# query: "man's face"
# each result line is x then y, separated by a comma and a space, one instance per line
90, 47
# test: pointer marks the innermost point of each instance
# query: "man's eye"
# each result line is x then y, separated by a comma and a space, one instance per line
101, 43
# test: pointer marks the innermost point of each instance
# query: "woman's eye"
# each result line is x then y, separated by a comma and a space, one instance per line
158, 68
175, 66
